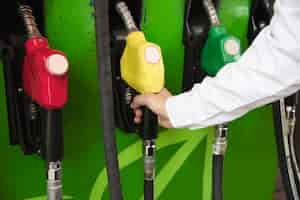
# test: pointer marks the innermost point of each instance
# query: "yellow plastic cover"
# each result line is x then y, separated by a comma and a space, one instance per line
142, 65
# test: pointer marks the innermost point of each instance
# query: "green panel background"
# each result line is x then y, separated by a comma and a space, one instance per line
183, 170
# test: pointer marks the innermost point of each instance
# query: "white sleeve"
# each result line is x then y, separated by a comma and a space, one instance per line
267, 71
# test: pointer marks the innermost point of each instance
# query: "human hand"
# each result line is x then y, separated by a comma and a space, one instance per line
156, 103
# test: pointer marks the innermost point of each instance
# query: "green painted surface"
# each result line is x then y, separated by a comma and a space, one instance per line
234, 14
250, 162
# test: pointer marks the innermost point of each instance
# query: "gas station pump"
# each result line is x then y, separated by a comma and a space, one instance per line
36, 90
39, 91
141, 64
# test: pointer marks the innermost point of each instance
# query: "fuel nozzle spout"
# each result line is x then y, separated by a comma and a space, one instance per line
126, 16
29, 21
212, 12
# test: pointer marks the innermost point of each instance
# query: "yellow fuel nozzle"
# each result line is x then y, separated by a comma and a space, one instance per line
142, 64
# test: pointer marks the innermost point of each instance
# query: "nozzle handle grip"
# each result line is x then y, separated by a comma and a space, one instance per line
149, 125
53, 145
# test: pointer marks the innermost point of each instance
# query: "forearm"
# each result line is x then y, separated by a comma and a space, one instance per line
268, 70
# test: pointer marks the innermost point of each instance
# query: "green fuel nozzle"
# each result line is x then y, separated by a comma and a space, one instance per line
221, 47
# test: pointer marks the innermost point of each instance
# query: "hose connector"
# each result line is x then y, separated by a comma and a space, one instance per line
126, 16
29, 20
212, 12
149, 160
220, 144
291, 118
54, 183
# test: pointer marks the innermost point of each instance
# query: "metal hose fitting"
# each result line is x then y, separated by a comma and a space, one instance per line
212, 12
29, 20
149, 160
220, 144
291, 123
54, 183
126, 16
291, 117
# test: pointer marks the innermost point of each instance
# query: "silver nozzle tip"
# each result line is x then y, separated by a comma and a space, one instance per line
29, 21
126, 16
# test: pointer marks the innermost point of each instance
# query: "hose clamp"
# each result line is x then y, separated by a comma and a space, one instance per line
220, 145
149, 160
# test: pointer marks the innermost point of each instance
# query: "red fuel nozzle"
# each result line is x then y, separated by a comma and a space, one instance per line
45, 74
45, 69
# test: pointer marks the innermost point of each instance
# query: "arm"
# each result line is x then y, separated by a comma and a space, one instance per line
268, 70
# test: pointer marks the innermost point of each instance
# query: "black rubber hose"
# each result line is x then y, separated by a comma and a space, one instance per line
53, 138
149, 131
148, 190
218, 165
11, 97
106, 95
149, 125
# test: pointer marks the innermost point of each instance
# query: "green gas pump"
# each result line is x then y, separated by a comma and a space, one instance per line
220, 49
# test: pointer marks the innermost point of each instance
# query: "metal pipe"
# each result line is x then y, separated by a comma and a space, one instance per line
29, 21
126, 16
212, 12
